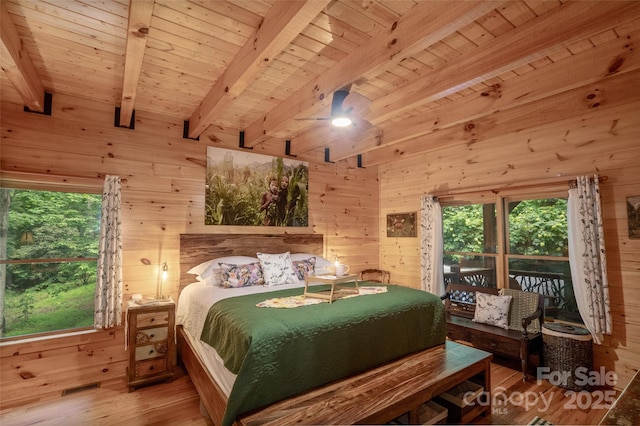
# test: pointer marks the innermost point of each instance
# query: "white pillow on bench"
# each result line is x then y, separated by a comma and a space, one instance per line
492, 309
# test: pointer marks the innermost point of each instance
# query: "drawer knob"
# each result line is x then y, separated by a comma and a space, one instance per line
493, 345
151, 352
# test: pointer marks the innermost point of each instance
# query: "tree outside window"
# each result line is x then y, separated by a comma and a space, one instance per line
48, 253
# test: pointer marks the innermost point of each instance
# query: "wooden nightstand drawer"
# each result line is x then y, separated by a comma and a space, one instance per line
153, 318
144, 337
151, 351
152, 367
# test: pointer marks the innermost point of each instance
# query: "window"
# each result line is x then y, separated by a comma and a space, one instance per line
518, 242
48, 260
470, 244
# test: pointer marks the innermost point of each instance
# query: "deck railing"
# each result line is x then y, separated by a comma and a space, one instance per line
553, 285
550, 284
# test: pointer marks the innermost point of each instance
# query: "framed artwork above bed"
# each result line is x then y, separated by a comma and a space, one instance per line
248, 189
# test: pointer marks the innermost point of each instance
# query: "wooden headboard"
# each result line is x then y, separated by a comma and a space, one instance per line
198, 248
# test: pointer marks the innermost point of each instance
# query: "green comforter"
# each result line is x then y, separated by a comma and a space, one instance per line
277, 353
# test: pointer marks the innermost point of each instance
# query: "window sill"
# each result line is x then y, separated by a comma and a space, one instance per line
8, 341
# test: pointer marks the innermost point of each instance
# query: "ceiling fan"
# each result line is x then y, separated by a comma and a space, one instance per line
342, 105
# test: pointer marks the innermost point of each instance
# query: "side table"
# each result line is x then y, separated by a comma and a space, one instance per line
336, 291
566, 348
151, 342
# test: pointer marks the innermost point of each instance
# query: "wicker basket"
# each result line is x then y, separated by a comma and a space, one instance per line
566, 348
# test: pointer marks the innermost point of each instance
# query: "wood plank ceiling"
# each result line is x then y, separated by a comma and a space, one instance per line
415, 69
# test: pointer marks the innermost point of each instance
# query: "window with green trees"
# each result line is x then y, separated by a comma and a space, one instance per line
48, 254
517, 243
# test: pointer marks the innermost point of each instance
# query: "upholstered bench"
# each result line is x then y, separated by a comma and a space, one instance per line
504, 322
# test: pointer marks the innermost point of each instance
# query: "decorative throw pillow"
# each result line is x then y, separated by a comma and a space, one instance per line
322, 264
206, 269
492, 310
277, 268
304, 268
241, 275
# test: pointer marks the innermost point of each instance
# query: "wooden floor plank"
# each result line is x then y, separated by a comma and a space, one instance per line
177, 403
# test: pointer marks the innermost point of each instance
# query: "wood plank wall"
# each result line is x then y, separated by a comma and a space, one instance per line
163, 196
587, 140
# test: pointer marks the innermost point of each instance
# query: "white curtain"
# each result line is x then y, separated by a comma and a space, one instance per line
108, 300
587, 256
431, 246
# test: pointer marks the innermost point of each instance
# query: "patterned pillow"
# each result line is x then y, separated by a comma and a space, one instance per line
304, 268
241, 275
277, 268
210, 267
492, 310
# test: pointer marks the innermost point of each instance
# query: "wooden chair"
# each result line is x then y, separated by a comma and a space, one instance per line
375, 275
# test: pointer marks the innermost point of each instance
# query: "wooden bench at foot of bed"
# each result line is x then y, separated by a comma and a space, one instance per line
382, 394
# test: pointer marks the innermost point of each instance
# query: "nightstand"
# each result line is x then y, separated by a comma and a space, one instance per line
151, 343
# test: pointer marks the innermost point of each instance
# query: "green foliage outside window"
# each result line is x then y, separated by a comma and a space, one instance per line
463, 228
536, 227
50, 234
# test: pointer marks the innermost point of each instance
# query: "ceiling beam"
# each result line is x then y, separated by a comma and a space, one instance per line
520, 123
611, 58
528, 42
17, 64
282, 24
424, 25
140, 12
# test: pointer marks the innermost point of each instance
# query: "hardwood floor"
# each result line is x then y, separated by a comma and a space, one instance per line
177, 403
174, 403
516, 402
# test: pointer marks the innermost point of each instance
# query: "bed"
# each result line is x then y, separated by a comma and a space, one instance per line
274, 354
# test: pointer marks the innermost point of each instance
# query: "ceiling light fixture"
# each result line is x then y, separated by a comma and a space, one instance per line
341, 121
340, 117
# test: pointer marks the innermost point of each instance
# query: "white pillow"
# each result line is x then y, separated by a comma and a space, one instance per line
492, 310
205, 269
277, 268
323, 266
212, 281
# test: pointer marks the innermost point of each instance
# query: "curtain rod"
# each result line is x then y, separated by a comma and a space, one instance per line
571, 183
